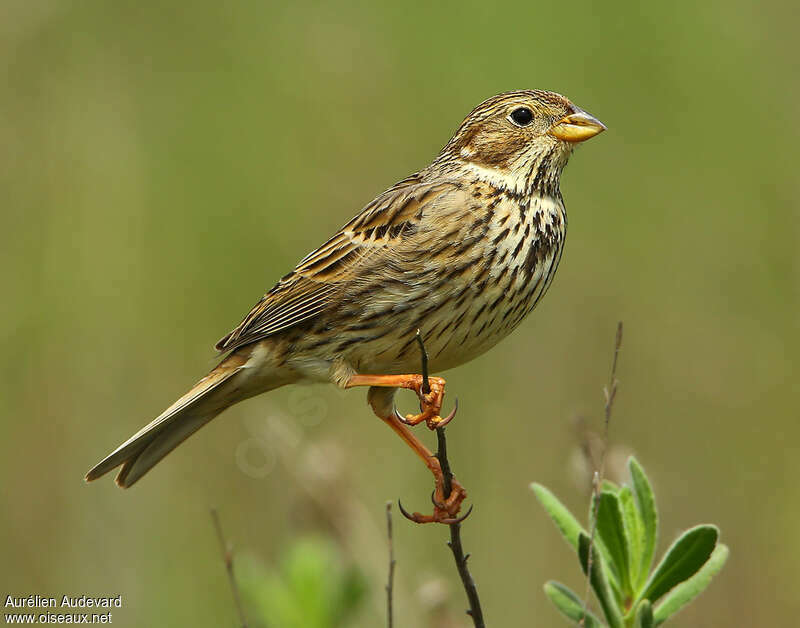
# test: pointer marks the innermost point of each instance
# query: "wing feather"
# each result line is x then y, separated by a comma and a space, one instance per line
323, 275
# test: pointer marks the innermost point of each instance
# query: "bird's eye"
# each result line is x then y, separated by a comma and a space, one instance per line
522, 116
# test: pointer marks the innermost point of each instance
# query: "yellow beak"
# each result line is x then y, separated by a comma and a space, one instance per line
577, 127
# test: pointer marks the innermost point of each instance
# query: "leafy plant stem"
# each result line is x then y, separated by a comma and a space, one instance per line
610, 393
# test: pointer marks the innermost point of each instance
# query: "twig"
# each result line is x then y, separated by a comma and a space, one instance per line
454, 544
426, 387
390, 581
610, 393
227, 558
455, 539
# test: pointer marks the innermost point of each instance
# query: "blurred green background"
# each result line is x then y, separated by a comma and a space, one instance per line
164, 163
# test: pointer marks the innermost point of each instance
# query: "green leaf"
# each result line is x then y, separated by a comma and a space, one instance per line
350, 593
312, 588
685, 592
682, 560
608, 485
634, 529
647, 509
644, 615
569, 526
599, 581
570, 605
612, 572
611, 530
563, 518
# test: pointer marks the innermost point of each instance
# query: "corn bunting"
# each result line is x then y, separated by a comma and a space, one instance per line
462, 251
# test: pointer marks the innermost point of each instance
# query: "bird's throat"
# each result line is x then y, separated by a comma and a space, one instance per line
537, 174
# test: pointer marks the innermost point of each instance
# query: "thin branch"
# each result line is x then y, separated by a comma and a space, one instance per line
390, 581
426, 387
455, 539
610, 393
454, 544
227, 558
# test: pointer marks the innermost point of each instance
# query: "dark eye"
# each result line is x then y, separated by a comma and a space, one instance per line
522, 116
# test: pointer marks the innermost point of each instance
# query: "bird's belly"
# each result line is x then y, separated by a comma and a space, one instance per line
491, 317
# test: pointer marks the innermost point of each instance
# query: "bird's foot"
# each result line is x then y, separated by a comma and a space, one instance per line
445, 509
430, 403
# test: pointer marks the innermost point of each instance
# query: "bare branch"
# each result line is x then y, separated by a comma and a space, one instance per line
390, 581
227, 558
455, 544
426, 388
454, 523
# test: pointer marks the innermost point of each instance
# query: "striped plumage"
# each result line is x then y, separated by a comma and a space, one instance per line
462, 250
478, 267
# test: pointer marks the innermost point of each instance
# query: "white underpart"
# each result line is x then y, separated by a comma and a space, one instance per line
513, 181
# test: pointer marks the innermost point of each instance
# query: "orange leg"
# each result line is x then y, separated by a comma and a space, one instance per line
430, 403
381, 399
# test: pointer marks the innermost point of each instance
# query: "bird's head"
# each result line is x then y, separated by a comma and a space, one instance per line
520, 140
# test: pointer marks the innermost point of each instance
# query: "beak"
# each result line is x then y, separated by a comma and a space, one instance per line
577, 127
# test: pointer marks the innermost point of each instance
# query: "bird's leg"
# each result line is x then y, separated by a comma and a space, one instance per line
445, 509
430, 402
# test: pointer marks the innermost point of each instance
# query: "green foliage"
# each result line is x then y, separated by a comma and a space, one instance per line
644, 615
311, 588
569, 604
648, 515
599, 581
626, 534
685, 592
569, 526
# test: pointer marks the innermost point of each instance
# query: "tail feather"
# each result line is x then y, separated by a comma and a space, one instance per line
210, 396
144, 460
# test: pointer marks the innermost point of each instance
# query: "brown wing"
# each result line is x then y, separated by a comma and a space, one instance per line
318, 280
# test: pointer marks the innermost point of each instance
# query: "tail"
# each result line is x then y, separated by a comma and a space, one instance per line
210, 396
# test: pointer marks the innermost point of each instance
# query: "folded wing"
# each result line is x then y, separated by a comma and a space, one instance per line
318, 281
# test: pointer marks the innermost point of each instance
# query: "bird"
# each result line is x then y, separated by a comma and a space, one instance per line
459, 252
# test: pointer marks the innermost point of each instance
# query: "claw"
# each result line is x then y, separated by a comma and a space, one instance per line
437, 421
433, 422
404, 512
458, 519
439, 510
403, 419
452, 414
418, 518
